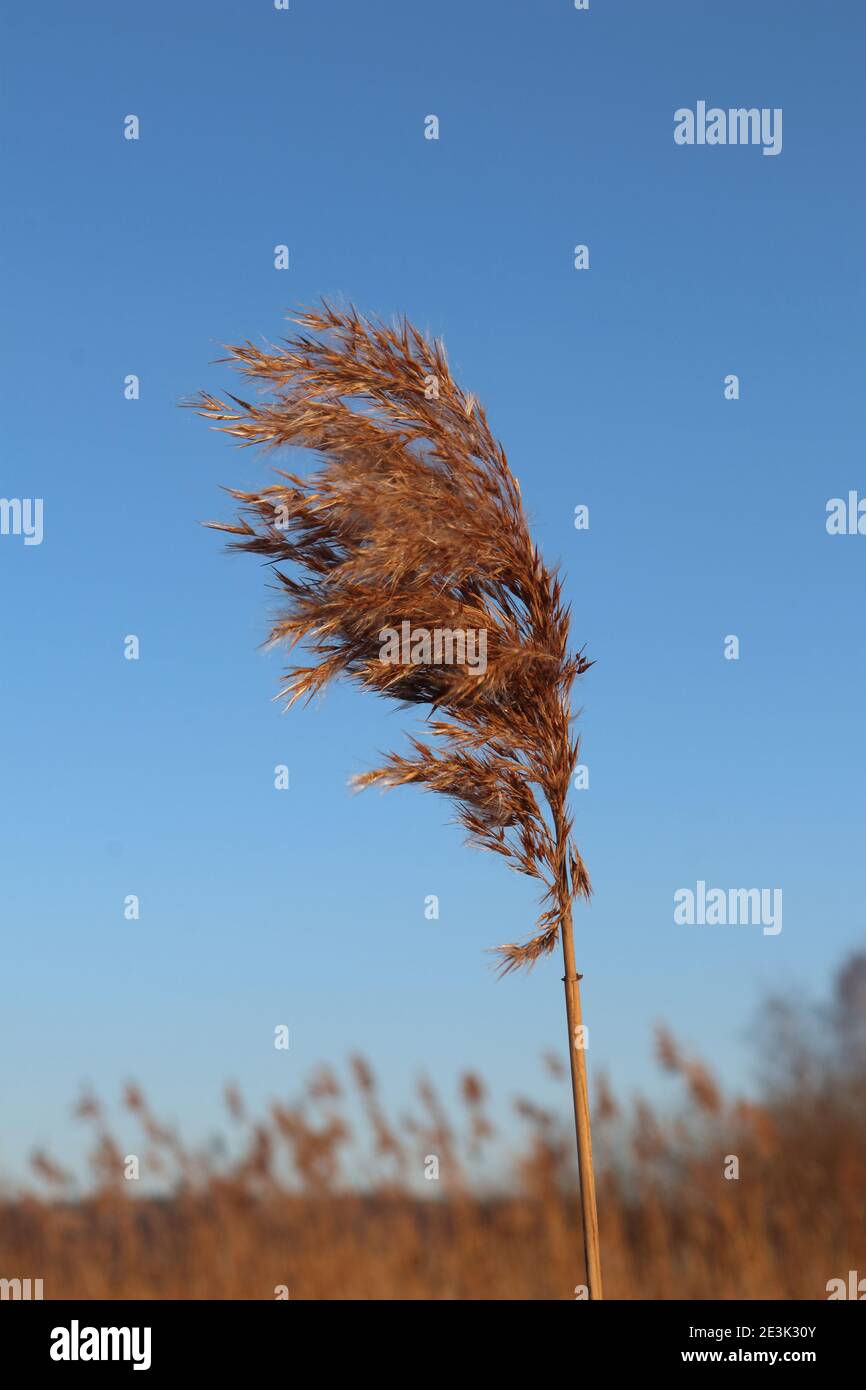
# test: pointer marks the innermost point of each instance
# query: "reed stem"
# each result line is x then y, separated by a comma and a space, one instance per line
580, 1095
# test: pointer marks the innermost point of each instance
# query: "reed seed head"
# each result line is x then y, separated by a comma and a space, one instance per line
414, 518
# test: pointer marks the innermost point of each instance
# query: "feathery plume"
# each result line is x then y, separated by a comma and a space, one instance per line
414, 524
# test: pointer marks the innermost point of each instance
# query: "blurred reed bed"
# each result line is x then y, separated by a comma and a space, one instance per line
333, 1207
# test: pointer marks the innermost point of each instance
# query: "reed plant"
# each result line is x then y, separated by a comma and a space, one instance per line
413, 522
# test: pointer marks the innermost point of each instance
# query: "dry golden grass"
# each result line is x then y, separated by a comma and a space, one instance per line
335, 1209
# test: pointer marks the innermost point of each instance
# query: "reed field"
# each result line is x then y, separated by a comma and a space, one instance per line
309, 1201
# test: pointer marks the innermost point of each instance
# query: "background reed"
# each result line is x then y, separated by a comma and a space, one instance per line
323, 1193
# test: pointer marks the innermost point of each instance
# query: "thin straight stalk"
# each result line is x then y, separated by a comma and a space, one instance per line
580, 1094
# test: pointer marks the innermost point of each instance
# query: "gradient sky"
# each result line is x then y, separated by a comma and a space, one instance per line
707, 517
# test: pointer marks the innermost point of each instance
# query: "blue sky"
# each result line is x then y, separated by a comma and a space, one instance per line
707, 517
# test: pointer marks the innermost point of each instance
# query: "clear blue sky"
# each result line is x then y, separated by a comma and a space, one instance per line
706, 518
